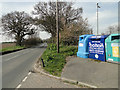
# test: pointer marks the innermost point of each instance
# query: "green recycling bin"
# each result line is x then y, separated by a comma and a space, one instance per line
112, 44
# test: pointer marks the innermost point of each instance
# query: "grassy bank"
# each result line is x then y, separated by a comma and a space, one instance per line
11, 48
54, 62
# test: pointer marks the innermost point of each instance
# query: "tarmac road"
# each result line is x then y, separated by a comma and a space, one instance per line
15, 66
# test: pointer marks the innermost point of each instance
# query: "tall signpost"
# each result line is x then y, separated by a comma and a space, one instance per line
57, 26
97, 18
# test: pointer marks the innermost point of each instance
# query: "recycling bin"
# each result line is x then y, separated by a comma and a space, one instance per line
113, 48
83, 46
97, 47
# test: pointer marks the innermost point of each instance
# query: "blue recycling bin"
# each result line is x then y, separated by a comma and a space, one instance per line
97, 47
83, 46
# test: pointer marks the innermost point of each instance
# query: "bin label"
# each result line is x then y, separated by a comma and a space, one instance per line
115, 51
81, 44
96, 47
115, 44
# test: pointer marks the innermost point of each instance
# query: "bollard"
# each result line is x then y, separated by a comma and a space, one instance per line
42, 62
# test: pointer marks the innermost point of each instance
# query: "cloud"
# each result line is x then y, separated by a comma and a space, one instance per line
103, 16
0, 8
16, 6
25, 0
59, 0
44, 35
106, 19
108, 14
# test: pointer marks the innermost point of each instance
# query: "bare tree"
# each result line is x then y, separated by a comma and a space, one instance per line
18, 24
113, 29
71, 33
46, 15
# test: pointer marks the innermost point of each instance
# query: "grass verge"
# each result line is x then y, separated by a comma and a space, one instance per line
54, 62
11, 48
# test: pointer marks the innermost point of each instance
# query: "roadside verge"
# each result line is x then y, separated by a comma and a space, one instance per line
6, 52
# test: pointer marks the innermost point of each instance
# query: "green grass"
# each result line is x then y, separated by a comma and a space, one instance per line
54, 62
11, 48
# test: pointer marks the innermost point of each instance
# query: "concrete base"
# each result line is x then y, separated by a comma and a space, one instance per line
82, 55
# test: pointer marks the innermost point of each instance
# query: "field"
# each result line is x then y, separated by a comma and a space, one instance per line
6, 45
9, 47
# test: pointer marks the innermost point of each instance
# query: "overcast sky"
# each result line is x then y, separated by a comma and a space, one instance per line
108, 13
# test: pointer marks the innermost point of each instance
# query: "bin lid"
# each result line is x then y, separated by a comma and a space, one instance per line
85, 35
116, 41
113, 38
99, 37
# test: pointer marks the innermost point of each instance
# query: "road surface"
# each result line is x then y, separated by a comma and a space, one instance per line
38, 80
15, 66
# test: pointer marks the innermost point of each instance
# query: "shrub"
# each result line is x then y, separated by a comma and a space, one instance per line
32, 41
52, 47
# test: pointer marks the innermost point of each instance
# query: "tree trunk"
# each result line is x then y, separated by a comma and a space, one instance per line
18, 43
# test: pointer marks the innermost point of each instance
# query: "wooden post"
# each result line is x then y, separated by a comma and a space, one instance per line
57, 27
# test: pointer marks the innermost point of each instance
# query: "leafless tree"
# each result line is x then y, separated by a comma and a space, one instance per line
46, 15
113, 29
18, 24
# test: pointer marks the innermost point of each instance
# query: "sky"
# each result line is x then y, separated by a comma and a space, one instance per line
108, 13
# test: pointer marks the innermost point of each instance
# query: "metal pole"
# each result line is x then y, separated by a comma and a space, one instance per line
97, 18
57, 26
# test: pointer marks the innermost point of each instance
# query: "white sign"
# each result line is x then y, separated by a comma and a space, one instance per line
109, 59
81, 44
96, 37
96, 56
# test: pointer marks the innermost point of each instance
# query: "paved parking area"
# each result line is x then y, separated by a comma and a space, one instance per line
101, 74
